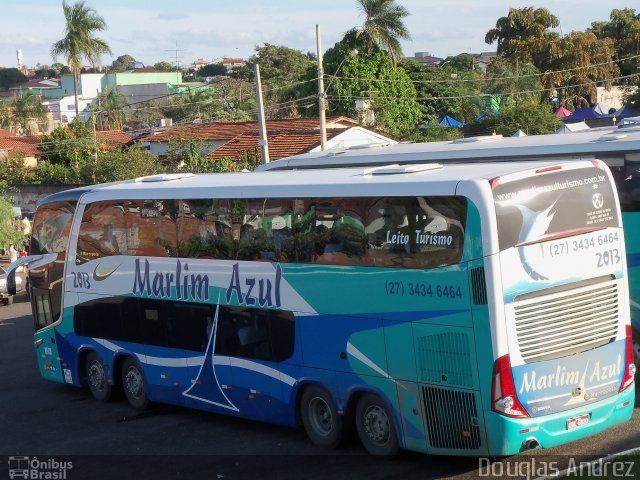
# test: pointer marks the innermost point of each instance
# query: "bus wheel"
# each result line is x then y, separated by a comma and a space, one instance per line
133, 384
320, 419
97, 378
375, 427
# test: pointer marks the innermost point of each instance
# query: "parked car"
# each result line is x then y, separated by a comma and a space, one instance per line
22, 283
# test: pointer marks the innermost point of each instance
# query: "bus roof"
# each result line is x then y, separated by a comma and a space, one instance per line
610, 144
345, 182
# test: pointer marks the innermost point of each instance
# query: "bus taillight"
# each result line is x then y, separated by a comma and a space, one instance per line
505, 399
630, 367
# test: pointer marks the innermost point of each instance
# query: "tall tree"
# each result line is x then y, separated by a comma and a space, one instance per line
523, 33
384, 24
280, 68
370, 79
624, 28
29, 113
576, 64
123, 63
80, 42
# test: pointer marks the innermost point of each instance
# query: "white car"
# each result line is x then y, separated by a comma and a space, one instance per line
22, 283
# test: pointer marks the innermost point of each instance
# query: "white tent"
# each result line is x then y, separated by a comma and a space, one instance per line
519, 133
572, 127
601, 108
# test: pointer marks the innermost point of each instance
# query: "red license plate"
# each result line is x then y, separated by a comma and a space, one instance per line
576, 422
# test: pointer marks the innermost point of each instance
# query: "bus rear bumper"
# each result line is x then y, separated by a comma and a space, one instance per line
512, 436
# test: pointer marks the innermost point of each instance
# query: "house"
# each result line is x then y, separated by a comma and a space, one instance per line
483, 60
285, 136
232, 63
136, 85
111, 139
25, 145
38, 86
285, 143
426, 59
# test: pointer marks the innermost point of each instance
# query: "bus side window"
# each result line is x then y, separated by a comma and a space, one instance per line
254, 333
102, 231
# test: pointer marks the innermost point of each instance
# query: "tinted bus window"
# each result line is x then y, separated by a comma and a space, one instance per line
407, 232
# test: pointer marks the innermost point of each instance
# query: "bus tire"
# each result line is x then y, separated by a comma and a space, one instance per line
320, 418
133, 384
97, 378
375, 426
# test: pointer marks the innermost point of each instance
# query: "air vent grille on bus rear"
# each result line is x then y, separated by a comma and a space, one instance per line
565, 322
479, 286
452, 419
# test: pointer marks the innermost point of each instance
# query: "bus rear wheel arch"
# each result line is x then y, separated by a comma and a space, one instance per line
320, 418
133, 384
97, 377
376, 427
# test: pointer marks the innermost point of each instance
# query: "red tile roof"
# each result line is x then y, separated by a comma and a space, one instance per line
27, 145
114, 136
227, 130
282, 143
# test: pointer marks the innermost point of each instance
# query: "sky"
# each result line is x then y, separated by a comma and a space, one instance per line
186, 30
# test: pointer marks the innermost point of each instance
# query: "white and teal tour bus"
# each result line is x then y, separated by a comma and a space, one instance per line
475, 309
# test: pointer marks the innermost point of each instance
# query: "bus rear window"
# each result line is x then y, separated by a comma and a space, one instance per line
554, 203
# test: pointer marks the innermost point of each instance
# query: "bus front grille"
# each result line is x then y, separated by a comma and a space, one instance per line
567, 320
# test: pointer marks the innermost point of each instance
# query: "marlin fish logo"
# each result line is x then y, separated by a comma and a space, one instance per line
534, 225
101, 273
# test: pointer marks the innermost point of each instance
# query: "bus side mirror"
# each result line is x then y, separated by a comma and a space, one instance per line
11, 282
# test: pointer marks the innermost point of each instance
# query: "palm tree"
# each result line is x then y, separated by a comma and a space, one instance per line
80, 42
384, 24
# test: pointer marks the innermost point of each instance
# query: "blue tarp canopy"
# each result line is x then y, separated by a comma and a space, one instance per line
447, 121
627, 111
582, 114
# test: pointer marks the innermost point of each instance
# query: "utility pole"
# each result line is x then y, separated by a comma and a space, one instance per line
264, 145
321, 98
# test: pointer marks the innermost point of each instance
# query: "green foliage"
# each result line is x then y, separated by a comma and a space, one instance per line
435, 133
49, 173
119, 165
80, 41
8, 228
194, 103
530, 117
371, 76
513, 82
623, 28
212, 70
577, 63
10, 77
164, 66
439, 94
14, 171
69, 146
122, 63
25, 112
280, 69
110, 110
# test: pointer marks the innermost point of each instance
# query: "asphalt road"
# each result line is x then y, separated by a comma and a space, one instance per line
58, 424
